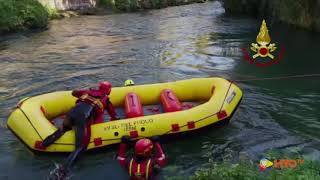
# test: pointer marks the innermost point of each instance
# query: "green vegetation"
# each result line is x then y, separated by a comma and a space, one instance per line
18, 15
107, 3
247, 170
123, 5
53, 13
301, 13
304, 13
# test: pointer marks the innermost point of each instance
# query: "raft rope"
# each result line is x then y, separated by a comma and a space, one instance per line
278, 77
30, 122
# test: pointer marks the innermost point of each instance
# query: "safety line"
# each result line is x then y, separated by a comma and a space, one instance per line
279, 77
246, 80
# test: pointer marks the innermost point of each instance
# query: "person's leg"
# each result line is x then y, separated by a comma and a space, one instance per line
87, 133
72, 157
80, 129
58, 133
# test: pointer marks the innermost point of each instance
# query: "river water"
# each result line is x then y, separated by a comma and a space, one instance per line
170, 44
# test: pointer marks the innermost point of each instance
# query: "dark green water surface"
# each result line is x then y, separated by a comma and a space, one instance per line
158, 46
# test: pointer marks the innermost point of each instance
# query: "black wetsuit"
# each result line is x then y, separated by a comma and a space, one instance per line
79, 117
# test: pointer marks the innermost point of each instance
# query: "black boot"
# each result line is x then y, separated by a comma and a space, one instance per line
52, 138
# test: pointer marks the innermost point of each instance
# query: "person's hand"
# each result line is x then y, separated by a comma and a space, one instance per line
155, 138
125, 139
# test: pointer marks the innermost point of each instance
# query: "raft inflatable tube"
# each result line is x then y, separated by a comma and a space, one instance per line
219, 98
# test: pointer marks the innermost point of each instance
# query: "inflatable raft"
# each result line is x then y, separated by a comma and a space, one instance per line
214, 100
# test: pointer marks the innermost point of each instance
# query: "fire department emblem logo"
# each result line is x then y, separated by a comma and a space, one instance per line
263, 48
262, 51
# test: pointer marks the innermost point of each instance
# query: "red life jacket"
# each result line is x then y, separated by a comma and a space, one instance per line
140, 171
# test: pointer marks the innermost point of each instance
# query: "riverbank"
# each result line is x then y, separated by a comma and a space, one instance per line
300, 13
134, 5
16, 15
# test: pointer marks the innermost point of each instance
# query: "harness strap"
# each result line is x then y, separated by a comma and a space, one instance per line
130, 167
92, 100
138, 168
147, 170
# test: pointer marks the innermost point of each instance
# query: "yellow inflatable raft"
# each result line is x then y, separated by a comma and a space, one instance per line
219, 99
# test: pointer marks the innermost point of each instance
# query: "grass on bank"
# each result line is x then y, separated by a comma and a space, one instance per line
245, 169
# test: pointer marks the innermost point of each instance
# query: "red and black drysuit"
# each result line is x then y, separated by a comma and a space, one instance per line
89, 109
139, 167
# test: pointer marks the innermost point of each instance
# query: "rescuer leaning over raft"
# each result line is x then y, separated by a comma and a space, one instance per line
89, 109
143, 166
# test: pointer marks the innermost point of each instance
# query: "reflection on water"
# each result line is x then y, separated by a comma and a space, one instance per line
157, 46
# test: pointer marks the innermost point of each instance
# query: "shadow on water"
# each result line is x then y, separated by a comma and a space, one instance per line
158, 46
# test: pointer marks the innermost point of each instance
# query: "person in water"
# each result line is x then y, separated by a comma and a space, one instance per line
142, 166
89, 109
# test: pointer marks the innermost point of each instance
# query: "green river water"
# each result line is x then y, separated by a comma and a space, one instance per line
170, 44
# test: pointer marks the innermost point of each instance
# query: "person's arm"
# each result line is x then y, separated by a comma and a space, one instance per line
160, 157
111, 110
122, 159
79, 93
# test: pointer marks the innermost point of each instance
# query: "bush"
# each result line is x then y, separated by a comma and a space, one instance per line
243, 170
107, 3
123, 5
247, 170
21, 14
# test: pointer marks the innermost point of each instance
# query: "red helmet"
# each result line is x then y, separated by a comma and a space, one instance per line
105, 87
143, 147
